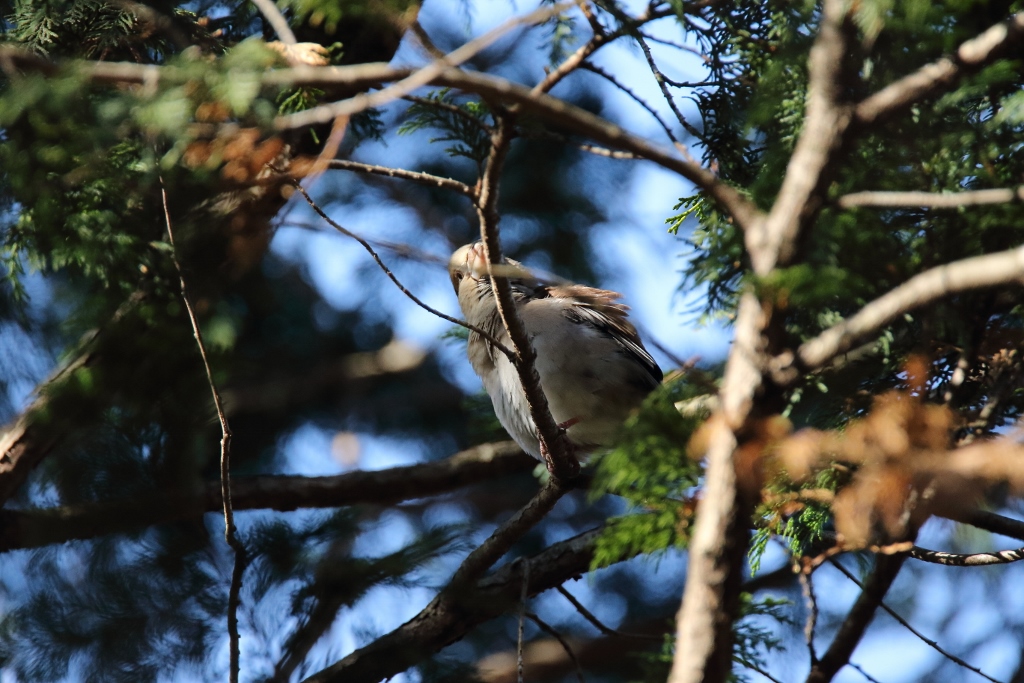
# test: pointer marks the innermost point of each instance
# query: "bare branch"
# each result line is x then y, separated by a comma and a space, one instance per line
953, 278
663, 85
414, 176
903, 622
931, 200
387, 271
588, 615
230, 532
363, 101
547, 628
939, 76
857, 619
989, 521
276, 20
450, 616
807, 585
36, 528
553, 445
825, 123
967, 560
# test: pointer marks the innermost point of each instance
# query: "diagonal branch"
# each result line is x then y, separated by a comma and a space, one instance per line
560, 462
462, 606
420, 77
809, 169
36, 528
276, 20
937, 77
230, 531
857, 619
978, 272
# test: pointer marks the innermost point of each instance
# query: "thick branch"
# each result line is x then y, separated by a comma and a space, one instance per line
446, 619
937, 77
825, 123
931, 200
960, 276
35, 528
276, 20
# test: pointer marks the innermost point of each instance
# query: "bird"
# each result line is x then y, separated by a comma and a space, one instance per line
593, 367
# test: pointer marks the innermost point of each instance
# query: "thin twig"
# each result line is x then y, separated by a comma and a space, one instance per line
755, 668
663, 86
550, 630
903, 622
363, 101
932, 200
589, 616
522, 621
415, 176
230, 532
387, 271
553, 446
812, 613
636, 98
862, 672
276, 20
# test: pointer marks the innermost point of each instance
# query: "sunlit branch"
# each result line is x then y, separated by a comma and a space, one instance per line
420, 77
276, 20
415, 176
937, 283
931, 200
939, 76
967, 559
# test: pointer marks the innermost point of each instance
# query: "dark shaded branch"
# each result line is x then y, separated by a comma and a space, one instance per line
449, 617
857, 620
989, 521
931, 200
553, 446
566, 646
35, 528
230, 531
905, 624
938, 77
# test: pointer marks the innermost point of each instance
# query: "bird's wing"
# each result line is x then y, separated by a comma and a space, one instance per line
600, 309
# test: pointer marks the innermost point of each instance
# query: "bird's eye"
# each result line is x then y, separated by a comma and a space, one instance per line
459, 275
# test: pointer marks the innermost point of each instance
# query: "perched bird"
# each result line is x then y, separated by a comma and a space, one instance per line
593, 367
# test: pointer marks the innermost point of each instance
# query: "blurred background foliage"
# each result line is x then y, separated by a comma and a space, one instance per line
89, 285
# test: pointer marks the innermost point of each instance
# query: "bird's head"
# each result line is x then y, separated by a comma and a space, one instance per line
468, 270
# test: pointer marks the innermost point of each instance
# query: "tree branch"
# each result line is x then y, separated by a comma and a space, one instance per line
952, 278
967, 559
449, 617
387, 271
36, 528
276, 20
553, 446
858, 618
931, 200
905, 624
939, 76
414, 176
230, 531
809, 169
